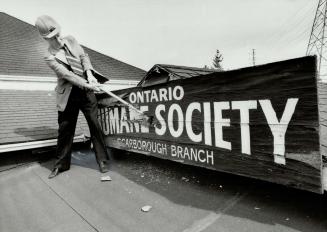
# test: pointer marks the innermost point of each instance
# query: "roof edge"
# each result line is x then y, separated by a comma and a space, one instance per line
114, 58
46, 79
36, 144
185, 67
1, 12
52, 79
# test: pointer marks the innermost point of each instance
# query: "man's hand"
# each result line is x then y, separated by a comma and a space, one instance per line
90, 78
95, 87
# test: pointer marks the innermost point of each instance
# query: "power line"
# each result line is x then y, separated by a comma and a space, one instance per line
293, 22
298, 29
317, 42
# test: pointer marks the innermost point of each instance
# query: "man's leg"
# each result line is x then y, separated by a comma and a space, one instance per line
67, 124
90, 111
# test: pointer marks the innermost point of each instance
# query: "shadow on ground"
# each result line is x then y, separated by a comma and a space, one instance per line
263, 202
10, 160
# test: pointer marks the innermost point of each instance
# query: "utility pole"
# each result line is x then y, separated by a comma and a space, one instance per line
253, 57
317, 42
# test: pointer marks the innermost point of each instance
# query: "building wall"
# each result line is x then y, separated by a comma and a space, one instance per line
49, 83
28, 115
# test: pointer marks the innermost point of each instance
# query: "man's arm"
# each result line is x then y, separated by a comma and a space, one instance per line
88, 68
85, 60
63, 72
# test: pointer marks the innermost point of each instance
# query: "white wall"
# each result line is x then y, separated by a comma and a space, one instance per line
49, 83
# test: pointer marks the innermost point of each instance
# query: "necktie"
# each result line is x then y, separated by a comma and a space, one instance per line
74, 63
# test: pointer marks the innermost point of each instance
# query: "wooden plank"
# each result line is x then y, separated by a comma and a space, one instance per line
322, 99
322, 96
260, 122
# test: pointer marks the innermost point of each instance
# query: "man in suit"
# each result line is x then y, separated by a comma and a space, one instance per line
75, 91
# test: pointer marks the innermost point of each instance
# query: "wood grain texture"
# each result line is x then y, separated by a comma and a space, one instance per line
322, 98
276, 82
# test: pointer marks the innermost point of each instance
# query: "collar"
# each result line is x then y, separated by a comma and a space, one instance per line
65, 43
60, 55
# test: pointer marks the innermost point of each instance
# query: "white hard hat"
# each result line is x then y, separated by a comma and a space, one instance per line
47, 26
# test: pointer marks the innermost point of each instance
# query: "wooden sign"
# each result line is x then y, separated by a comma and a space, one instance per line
261, 122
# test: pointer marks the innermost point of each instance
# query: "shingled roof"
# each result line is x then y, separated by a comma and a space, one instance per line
162, 73
184, 71
22, 51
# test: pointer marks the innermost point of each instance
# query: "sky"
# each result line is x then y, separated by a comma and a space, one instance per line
180, 32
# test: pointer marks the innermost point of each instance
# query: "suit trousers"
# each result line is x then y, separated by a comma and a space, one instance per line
85, 101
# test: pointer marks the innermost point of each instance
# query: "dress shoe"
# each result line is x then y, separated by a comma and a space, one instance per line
55, 172
103, 167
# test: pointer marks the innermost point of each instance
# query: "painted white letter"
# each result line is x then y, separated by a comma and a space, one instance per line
144, 128
180, 120
244, 107
123, 121
114, 121
179, 96
278, 128
132, 97
221, 122
161, 120
188, 122
207, 123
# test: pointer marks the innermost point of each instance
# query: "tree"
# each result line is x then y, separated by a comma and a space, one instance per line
217, 61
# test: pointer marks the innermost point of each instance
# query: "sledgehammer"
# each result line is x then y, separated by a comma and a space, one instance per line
103, 88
